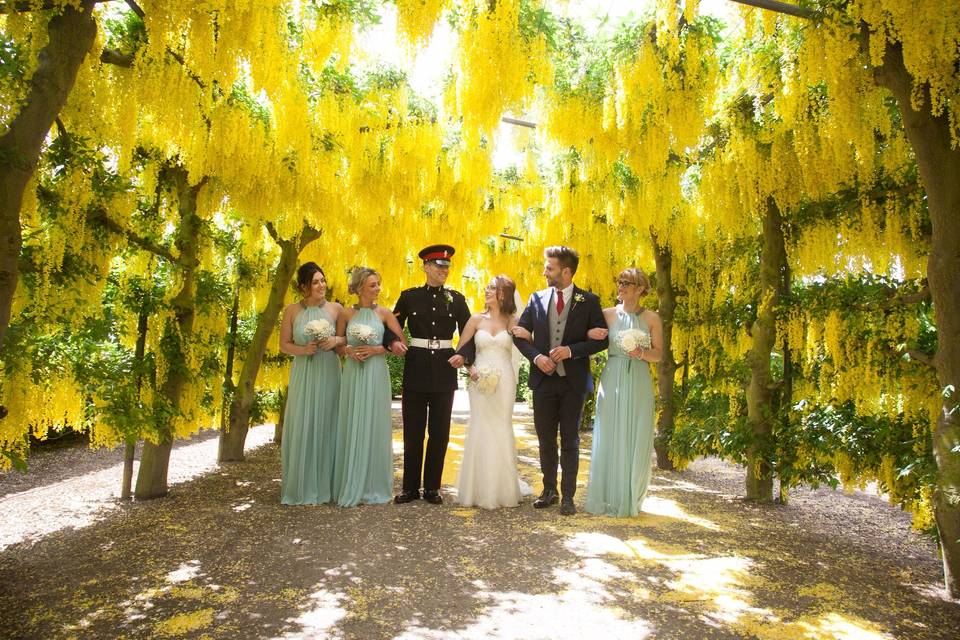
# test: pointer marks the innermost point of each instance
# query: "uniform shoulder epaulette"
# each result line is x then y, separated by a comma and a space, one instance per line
410, 290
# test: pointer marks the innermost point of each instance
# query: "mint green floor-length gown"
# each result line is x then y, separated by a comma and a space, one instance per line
310, 420
364, 460
620, 465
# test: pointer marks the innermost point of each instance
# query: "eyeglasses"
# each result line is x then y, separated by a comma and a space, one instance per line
625, 283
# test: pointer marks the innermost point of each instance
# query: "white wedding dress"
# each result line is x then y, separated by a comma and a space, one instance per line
488, 473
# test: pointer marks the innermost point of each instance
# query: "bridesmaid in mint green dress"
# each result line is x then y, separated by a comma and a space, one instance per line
363, 473
623, 428
310, 418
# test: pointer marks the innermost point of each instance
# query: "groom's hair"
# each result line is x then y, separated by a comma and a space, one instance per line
566, 256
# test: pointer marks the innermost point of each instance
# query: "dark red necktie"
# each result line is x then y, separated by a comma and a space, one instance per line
559, 301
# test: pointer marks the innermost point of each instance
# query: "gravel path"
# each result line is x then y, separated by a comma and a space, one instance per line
221, 558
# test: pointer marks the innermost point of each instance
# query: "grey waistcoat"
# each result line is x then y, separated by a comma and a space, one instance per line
557, 325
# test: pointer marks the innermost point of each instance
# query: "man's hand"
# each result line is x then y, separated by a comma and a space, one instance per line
456, 361
559, 354
545, 364
398, 349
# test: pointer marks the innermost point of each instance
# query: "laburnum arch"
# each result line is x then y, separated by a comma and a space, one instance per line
793, 184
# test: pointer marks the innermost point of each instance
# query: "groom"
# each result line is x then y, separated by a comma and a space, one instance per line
559, 318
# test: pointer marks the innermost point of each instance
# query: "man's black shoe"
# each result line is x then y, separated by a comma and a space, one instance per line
406, 496
547, 498
567, 508
433, 497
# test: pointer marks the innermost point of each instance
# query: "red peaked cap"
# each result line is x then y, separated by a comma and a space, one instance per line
439, 253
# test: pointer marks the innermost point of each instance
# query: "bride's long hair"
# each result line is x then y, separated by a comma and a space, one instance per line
506, 290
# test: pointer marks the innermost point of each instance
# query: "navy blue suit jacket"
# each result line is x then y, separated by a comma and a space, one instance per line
585, 314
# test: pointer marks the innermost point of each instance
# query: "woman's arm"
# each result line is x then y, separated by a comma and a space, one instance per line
364, 351
458, 359
334, 309
342, 319
599, 333
287, 345
655, 352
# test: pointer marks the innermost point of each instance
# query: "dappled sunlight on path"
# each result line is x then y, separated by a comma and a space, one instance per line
221, 558
84, 499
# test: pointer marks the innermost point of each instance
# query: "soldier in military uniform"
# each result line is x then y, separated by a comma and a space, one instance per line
432, 313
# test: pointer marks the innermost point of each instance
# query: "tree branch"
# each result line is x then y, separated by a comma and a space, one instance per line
100, 216
115, 57
272, 230
26, 6
922, 357
308, 235
780, 7
136, 8
895, 300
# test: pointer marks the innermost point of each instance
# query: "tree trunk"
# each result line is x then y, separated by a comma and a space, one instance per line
760, 405
229, 388
71, 35
129, 454
130, 448
155, 457
232, 440
939, 167
667, 367
278, 429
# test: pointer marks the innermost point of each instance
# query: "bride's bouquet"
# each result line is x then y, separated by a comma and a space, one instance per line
318, 330
487, 380
363, 333
633, 339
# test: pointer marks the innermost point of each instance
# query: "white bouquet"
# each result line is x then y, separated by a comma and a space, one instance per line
487, 380
362, 333
633, 339
318, 330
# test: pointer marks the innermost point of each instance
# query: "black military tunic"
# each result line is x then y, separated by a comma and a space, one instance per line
431, 313
429, 383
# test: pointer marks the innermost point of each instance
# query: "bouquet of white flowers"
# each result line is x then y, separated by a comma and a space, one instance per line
318, 330
632, 339
487, 380
362, 333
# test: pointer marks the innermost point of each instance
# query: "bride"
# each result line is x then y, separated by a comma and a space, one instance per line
488, 473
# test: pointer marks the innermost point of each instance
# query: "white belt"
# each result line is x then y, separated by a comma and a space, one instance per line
424, 343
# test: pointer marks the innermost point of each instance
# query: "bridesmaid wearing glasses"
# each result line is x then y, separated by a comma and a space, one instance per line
623, 427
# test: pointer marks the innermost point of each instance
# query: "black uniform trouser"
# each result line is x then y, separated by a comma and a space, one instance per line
421, 409
557, 407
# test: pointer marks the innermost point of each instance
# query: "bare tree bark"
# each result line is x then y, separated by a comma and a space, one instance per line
939, 167
233, 438
760, 405
129, 451
667, 367
155, 456
71, 35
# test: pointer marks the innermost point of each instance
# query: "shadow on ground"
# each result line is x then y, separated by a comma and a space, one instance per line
221, 558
